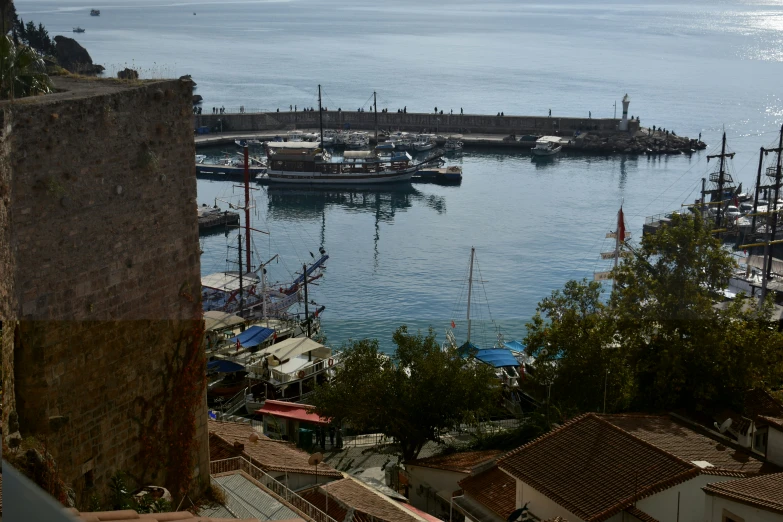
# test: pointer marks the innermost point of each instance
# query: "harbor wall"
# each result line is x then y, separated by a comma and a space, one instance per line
105, 281
7, 316
412, 122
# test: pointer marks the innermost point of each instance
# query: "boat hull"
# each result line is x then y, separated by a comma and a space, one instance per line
228, 172
546, 152
317, 178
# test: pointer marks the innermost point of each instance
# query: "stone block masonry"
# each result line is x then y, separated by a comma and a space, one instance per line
412, 122
99, 256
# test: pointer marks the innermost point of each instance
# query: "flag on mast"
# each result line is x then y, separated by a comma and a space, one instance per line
620, 226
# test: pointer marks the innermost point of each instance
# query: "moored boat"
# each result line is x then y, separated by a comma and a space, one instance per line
453, 144
547, 146
424, 142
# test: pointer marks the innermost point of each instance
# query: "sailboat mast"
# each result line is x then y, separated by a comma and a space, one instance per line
241, 289
620, 230
720, 182
375, 105
307, 312
470, 286
320, 116
774, 215
247, 208
758, 188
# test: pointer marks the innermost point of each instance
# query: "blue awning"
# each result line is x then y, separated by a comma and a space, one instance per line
222, 366
515, 345
253, 336
496, 357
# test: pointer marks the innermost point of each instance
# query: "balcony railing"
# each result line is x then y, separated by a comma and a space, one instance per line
271, 485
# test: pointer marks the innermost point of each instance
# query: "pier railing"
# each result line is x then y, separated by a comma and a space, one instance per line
270, 484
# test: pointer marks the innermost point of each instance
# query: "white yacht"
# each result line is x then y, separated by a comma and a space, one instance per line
424, 142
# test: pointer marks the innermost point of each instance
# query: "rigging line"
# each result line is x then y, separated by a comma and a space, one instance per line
455, 307
667, 189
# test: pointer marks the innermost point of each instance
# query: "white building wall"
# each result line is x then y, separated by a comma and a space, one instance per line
541, 505
663, 505
716, 507
775, 446
434, 480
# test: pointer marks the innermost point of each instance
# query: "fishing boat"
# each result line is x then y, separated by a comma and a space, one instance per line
403, 144
95, 12
229, 167
424, 142
78, 30
357, 141
385, 146
310, 163
547, 146
453, 144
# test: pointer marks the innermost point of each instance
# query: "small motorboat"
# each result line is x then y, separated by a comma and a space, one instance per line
453, 144
78, 30
547, 146
95, 12
423, 143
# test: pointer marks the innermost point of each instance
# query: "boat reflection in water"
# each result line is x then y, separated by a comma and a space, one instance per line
382, 200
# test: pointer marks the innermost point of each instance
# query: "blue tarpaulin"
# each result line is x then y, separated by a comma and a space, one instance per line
222, 366
515, 345
496, 357
253, 336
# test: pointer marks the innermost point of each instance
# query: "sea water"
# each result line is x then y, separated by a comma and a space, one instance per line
399, 255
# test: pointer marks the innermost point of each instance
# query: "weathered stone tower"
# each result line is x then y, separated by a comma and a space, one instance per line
100, 281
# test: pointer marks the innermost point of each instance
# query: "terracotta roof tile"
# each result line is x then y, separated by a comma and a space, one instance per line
594, 469
462, 461
266, 453
760, 402
774, 421
493, 489
318, 498
641, 515
765, 492
688, 445
556, 519
367, 501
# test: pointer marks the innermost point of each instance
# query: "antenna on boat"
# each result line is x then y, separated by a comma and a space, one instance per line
321, 117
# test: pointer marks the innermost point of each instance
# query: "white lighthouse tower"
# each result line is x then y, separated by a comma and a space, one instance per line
624, 121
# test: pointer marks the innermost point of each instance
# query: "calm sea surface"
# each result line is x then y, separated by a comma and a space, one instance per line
401, 255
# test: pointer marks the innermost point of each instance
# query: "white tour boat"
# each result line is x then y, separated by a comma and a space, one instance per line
547, 146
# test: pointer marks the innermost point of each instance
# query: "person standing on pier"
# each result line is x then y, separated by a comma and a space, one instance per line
590, 114
460, 111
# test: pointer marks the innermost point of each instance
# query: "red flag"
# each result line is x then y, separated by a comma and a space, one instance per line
238, 345
453, 325
735, 200
620, 226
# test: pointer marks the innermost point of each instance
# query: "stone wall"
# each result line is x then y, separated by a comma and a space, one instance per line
7, 317
442, 123
106, 275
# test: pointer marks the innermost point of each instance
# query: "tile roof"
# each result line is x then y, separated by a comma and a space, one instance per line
318, 498
266, 453
462, 461
493, 489
361, 498
128, 514
760, 402
594, 469
765, 492
689, 445
774, 421
641, 515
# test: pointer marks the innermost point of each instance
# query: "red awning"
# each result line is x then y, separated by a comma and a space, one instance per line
289, 410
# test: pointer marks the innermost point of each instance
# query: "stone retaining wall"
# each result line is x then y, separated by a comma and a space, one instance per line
412, 122
105, 270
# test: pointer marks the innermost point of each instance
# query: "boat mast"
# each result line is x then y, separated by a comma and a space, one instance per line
375, 104
721, 173
620, 230
756, 197
241, 290
774, 215
470, 286
247, 209
307, 312
321, 117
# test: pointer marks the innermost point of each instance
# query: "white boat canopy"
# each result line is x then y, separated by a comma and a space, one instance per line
217, 320
228, 281
359, 154
309, 145
547, 139
295, 346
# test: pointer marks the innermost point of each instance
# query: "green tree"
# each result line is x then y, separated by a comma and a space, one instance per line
579, 360
413, 395
22, 71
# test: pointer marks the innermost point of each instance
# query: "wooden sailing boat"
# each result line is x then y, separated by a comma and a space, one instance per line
619, 235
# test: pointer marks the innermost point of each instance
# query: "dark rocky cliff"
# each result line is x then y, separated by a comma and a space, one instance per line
74, 57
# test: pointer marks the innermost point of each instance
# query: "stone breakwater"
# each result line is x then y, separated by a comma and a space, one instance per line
642, 142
